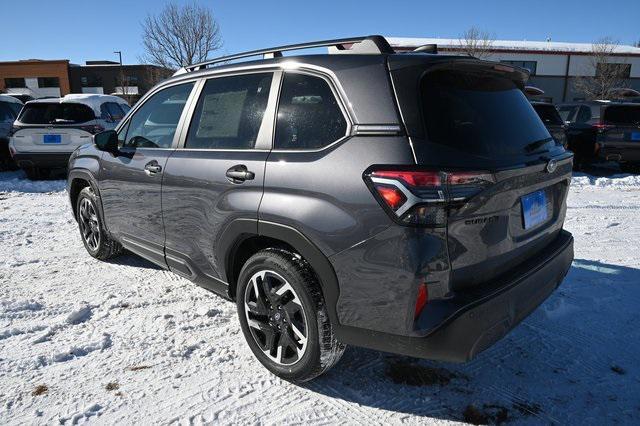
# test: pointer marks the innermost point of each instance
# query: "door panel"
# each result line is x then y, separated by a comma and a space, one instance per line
217, 174
131, 181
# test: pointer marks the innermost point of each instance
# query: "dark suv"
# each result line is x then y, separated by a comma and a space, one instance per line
411, 203
604, 131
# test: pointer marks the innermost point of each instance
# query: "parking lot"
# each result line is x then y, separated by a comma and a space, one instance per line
125, 341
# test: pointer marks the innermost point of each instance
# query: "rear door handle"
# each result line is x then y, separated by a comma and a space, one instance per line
152, 167
239, 173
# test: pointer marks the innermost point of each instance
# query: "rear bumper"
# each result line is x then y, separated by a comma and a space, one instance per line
484, 317
623, 154
42, 159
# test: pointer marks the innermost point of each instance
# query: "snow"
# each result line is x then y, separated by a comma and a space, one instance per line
125, 342
515, 45
93, 101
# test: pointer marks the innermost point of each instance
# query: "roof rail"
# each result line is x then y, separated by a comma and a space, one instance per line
375, 44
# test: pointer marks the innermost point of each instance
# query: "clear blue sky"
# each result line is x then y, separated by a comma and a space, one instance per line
90, 30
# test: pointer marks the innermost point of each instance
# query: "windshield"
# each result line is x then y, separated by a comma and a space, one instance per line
622, 114
56, 113
481, 114
548, 114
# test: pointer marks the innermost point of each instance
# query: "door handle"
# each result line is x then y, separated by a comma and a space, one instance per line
239, 173
152, 168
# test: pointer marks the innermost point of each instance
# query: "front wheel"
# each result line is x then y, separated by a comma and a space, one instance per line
284, 318
92, 230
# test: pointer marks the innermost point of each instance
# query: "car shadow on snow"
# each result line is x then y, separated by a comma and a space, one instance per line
574, 359
131, 259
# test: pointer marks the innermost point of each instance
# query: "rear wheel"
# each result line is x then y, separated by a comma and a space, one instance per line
284, 318
92, 230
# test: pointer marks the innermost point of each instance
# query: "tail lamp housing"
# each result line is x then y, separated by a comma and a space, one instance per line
417, 197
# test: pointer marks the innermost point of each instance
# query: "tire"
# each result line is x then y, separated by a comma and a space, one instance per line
309, 350
92, 230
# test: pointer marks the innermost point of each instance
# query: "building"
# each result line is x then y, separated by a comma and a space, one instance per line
55, 78
553, 66
108, 77
35, 77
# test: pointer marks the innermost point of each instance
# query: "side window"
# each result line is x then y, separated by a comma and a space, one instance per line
154, 123
229, 112
584, 115
309, 116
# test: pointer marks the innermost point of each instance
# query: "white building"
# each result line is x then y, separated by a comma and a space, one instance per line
553, 65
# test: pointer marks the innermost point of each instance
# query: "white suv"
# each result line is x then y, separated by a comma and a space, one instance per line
47, 131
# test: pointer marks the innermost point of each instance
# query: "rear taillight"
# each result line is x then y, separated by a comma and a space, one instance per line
93, 128
421, 299
423, 198
601, 127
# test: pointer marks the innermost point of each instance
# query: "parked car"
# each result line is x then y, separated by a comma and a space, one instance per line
549, 115
9, 109
593, 125
48, 130
407, 202
619, 137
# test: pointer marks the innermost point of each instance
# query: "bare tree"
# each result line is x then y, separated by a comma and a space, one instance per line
180, 35
476, 43
603, 74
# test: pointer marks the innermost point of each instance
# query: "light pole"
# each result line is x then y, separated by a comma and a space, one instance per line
122, 82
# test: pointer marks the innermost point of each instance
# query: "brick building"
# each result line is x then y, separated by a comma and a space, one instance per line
35, 77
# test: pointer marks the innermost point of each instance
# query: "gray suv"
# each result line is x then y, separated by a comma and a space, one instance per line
407, 202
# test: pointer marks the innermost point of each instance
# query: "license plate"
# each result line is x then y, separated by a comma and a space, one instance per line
635, 136
51, 139
534, 209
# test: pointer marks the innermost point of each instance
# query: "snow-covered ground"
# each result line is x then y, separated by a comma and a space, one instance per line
125, 342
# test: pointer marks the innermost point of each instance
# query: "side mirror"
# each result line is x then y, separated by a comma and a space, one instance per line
106, 141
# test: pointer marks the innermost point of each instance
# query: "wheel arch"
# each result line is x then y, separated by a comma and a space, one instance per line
244, 237
77, 181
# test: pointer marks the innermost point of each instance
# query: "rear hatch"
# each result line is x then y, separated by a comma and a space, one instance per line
53, 126
469, 116
620, 126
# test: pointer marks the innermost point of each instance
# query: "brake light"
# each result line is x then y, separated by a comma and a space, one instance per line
421, 299
423, 197
601, 127
93, 128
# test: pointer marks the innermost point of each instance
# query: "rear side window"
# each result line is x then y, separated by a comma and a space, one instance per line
56, 113
229, 112
568, 112
481, 114
548, 114
309, 116
154, 124
622, 114
111, 111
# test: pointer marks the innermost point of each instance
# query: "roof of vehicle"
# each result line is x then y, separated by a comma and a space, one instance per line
9, 98
93, 101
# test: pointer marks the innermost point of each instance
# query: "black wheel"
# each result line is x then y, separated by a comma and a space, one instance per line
95, 239
283, 316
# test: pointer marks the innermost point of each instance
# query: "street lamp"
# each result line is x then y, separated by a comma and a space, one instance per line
122, 82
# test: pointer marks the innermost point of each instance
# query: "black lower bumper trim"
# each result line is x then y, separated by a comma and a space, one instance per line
482, 323
42, 159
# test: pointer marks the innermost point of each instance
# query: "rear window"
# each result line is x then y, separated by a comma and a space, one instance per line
481, 114
622, 114
56, 113
548, 114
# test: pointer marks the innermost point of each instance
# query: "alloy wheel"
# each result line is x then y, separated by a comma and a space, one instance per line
276, 317
89, 225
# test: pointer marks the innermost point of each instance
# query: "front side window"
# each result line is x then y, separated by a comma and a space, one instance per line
154, 124
229, 112
584, 115
309, 116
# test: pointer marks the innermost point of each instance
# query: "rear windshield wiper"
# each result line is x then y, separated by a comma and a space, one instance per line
537, 144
